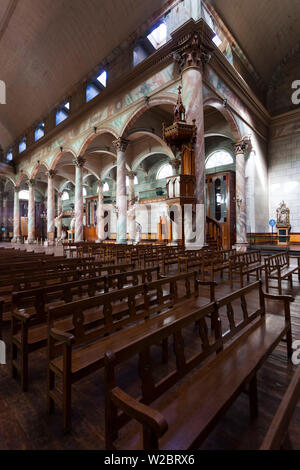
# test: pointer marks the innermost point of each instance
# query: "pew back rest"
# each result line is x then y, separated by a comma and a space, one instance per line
279, 260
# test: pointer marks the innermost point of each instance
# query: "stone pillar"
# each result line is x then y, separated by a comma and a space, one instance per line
240, 149
59, 215
192, 53
31, 212
79, 162
50, 208
100, 212
5, 214
131, 212
17, 237
121, 198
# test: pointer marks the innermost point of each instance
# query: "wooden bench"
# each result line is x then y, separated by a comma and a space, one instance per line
277, 437
277, 267
245, 264
78, 351
179, 407
29, 311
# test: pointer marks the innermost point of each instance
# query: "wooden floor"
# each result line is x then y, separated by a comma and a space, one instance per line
24, 423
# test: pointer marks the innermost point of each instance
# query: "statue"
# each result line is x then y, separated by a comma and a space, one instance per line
138, 233
283, 215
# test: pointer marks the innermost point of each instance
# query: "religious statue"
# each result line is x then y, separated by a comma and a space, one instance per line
283, 215
138, 233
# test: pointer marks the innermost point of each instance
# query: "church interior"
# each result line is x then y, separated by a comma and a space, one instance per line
149, 225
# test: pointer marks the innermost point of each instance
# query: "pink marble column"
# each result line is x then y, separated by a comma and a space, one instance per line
121, 197
31, 212
59, 215
192, 53
5, 214
17, 237
240, 149
50, 207
100, 212
131, 211
79, 162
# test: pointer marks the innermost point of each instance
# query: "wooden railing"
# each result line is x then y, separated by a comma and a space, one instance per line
213, 233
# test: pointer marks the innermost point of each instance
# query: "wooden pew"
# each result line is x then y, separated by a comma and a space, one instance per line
179, 409
277, 437
245, 264
277, 267
78, 349
29, 312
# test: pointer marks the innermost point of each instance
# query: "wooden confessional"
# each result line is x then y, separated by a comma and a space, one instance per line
220, 204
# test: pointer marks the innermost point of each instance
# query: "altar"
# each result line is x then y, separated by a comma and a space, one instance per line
283, 225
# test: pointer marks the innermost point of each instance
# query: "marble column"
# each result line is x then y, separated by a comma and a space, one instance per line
50, 207
240, 149
121, 197
131, 211
100, 212
79, 162
17, 237
5, 215
59, 215
192, 54
31, 212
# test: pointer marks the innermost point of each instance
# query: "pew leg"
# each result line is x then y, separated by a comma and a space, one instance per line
279, 286
50, 387
14, 357
24, 370
150, 441
291, 280
165, 352
253, 402
67, 406
289, 342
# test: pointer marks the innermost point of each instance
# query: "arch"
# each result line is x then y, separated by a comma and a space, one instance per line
169, 98
217, 103
36, 169
60, 155
156, 137
21, 176
140, 158
94, 135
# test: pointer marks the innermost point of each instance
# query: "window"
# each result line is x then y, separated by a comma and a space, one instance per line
219, 158
164, 171
22, 145
158, 36
62, 112
24, 194
9, 156
105, 188
135, 180
84, 193
65, 196
95, 86
218, 41
39, 131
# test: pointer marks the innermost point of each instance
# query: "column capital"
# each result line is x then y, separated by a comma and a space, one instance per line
175, 164
60, 193
192, 52
17, 189
51, 174
131, 174
31, 183
79, 161
100, 182
120, 144
242, 146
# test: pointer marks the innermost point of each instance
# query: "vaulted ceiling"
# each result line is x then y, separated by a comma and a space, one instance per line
47, 46
266, 30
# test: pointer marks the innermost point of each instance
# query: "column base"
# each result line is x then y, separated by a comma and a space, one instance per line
17, 239
121, 242
193, 246
31, 241
241, 246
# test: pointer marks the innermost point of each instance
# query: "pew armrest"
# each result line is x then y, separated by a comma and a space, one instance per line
144, 414
286, 298
21, 315
62, 336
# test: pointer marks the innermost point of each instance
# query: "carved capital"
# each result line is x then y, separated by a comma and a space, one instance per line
242, 147
131, 175
192, 52
17, 189
120, 144
59, 194
51, 174
175, 164
31, 183
79, 161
